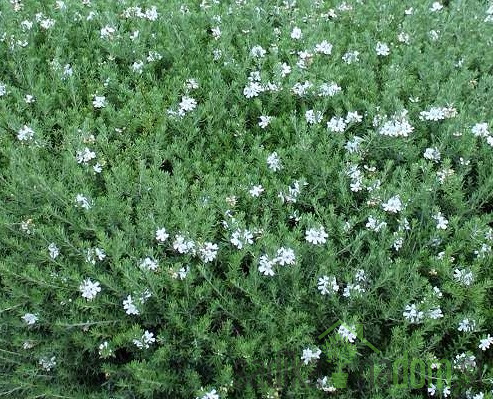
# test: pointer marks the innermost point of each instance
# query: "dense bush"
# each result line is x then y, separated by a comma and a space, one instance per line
192, 193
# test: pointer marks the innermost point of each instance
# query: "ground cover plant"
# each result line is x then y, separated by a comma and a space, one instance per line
193, 192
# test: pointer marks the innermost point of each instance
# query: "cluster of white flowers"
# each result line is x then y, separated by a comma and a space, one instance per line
393, 205
309, 355
95, 254
89, 289
463, 276
274, 162
145, 341
442, 222
397, 126
466, 325
327, 285
316, 235
30, 318
53, 250
432, 154
47, 363
240, 238
212, 394
148, 263
438, 113
285, 256
486, 342
412, 314
347, 333
150, 14
293, 191
99, 102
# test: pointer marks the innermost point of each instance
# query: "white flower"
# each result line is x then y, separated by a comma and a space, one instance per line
186, 104
274, 162
30, 318
467, 325
106, 32
412, 314
313, 117
442, 222
446, 391
67, 71
375, 224
25, 133
382, 49
145, 341
353, 117
47, 23
264, 121
404, 37
161, 235
53, 250
192, 84
104, 349
435, 313
99, 102
208, 252
216, 32
29, 99
151, 14
351, 57
329, 89
149, 264
336, 124
285, 69
85, 156
397, 126
137, 66
47, 364
463, 276
352, 146
316, 236
209, 395
258, 52
347, 333
432, 154
129, 306
93, 254
265, 266
436, 6
393, 205
432, 389
3, 89
285, 256
481, 130
183, 246
324, 282
324, 48
310, 355
180, 274
255, 191
240, 238
485, 343
252, 90
301, 89
89, 289
296, 33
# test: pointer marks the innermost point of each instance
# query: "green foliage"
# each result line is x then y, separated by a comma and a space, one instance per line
161, 152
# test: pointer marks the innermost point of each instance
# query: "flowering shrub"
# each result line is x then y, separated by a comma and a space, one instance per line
193, 193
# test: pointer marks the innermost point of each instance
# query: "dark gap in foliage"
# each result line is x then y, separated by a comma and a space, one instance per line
167, 167
122, 356
246, 264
